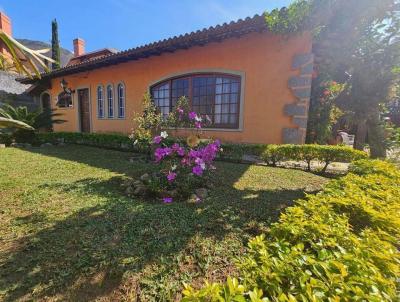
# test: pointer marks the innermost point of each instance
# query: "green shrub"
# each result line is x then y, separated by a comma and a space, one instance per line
235, 152
111, 141
6, 138
274, 154
338, 245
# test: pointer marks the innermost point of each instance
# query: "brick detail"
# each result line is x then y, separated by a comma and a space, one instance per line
307, 69
302, 93
300, 121
293, 136
299, 82
295, 109
300, 60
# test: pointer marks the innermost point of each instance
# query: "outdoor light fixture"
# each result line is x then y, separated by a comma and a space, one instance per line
64, 86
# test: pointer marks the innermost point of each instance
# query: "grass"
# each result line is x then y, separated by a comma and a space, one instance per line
68, 232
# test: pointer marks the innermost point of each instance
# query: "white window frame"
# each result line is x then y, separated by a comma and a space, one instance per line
110, 101
100, 101
121, 100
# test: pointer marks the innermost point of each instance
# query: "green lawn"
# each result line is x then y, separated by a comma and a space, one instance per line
68, 232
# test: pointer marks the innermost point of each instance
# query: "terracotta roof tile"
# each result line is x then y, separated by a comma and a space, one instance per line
197, 38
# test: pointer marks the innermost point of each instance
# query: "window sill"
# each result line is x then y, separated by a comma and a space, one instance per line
210, 129
112, 118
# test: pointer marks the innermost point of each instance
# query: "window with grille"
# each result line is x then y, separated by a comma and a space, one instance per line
121, 100
215, 95
100, 102
110, 101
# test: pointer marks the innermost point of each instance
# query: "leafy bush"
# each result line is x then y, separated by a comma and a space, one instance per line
338, 245
274, 154
5, 138
235, 152
111, 141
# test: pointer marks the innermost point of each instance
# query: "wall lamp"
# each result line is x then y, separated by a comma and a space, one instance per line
65, 88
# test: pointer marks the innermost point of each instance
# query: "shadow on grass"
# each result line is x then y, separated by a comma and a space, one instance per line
86, 255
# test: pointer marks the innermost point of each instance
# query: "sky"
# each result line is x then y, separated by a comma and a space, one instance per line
124, 24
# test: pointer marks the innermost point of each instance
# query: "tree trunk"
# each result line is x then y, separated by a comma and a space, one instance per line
376, 136
361, 135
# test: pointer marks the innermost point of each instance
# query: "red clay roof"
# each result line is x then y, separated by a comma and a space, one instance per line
91, 56
199, 38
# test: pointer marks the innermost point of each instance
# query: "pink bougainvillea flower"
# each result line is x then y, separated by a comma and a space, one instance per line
171, 176
180, 151
197, 170
167, 199
197, 125
192, 115
157, 139
160, 153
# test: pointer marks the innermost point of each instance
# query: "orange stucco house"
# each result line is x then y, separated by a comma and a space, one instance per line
253, 84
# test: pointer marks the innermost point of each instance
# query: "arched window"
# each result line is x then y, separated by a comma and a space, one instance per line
64, 100
100, 102
45, 101
121, 100
215, 95
110, 101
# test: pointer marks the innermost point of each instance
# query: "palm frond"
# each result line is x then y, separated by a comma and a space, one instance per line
11, 123
25, 59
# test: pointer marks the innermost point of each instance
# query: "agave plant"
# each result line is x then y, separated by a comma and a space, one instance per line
10, 123
24, 59
35, 119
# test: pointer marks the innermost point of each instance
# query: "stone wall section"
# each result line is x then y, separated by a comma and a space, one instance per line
300, 85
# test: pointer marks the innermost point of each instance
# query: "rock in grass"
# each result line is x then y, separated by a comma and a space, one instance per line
139, 190
145, 177
201, 193
17, 145
129, 191
137, 183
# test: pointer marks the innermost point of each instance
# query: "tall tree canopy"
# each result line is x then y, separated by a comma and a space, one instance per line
55, 45
357, 48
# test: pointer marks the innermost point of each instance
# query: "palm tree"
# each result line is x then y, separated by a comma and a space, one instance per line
24, 60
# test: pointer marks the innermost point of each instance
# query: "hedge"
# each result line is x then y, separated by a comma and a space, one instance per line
273, 154
5, 139
338, 245
102, 140
232, 152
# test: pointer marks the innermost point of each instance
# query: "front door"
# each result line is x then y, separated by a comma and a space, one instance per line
84, 110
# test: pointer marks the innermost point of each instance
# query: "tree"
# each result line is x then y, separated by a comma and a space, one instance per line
55, 45
357, 44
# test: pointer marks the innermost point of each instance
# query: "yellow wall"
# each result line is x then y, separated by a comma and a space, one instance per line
264, 59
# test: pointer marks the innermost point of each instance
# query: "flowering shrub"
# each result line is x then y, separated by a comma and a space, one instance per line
184, 166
